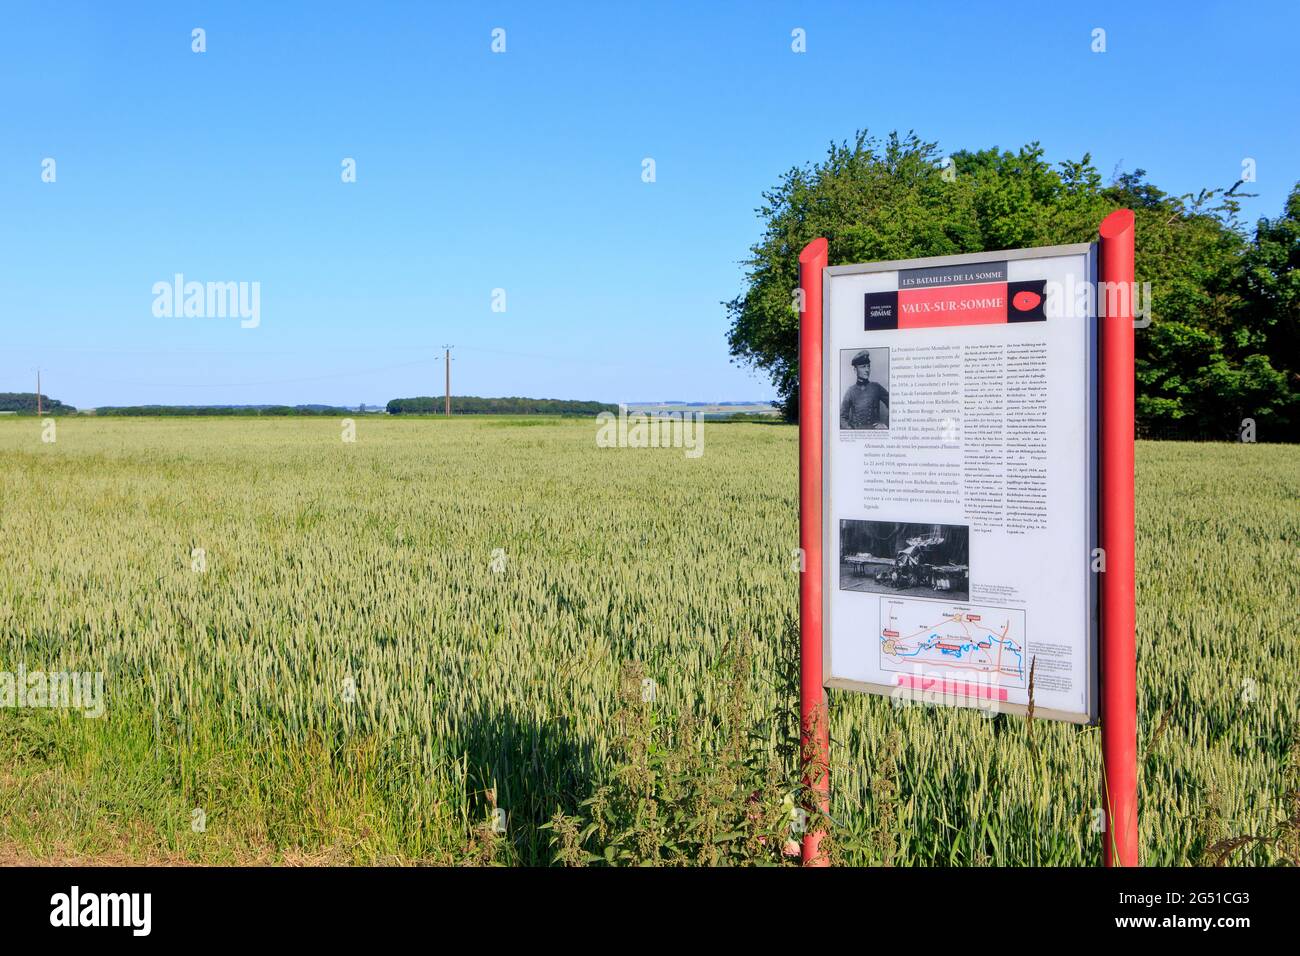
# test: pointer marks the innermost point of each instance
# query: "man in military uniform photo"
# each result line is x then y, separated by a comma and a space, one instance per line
866, 403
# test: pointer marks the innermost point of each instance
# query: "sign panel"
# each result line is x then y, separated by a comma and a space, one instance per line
959, 480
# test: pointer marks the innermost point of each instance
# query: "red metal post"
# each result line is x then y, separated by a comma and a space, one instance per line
815, 732
1118, 603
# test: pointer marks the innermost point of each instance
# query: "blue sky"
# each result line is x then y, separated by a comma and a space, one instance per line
522, 171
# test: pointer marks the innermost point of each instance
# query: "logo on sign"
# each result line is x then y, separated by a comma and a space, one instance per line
1024, 301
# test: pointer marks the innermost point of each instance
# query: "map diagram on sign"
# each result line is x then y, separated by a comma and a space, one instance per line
954, 637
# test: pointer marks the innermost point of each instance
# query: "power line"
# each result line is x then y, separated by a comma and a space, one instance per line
446, 358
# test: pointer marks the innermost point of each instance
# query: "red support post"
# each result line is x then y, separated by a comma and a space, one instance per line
815, 731
1118, 603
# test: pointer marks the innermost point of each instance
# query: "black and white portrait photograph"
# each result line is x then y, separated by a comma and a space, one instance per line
864, 389
897, 557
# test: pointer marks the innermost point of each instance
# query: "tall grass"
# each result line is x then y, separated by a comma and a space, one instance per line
333, 566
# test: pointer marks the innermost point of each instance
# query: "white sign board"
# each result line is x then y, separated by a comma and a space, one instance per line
959, 477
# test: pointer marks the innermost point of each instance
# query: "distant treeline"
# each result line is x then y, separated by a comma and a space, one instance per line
24, 402
472, 405
179, 411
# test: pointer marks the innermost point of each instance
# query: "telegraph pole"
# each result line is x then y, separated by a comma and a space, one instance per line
446, 359
39, 410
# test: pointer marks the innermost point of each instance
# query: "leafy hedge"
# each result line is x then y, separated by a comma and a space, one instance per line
472, 405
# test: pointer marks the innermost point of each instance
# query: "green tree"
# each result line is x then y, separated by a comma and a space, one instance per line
878, 200
1209, 357
1270, 288
26, 403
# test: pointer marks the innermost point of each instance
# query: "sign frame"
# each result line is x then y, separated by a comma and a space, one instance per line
1111, 352
1092, 530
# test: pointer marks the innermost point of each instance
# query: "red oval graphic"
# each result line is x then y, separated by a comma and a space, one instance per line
1024, 301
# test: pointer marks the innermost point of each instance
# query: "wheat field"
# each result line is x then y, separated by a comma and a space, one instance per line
359, 652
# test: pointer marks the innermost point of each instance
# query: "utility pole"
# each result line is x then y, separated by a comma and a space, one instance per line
39, 410
446, 358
